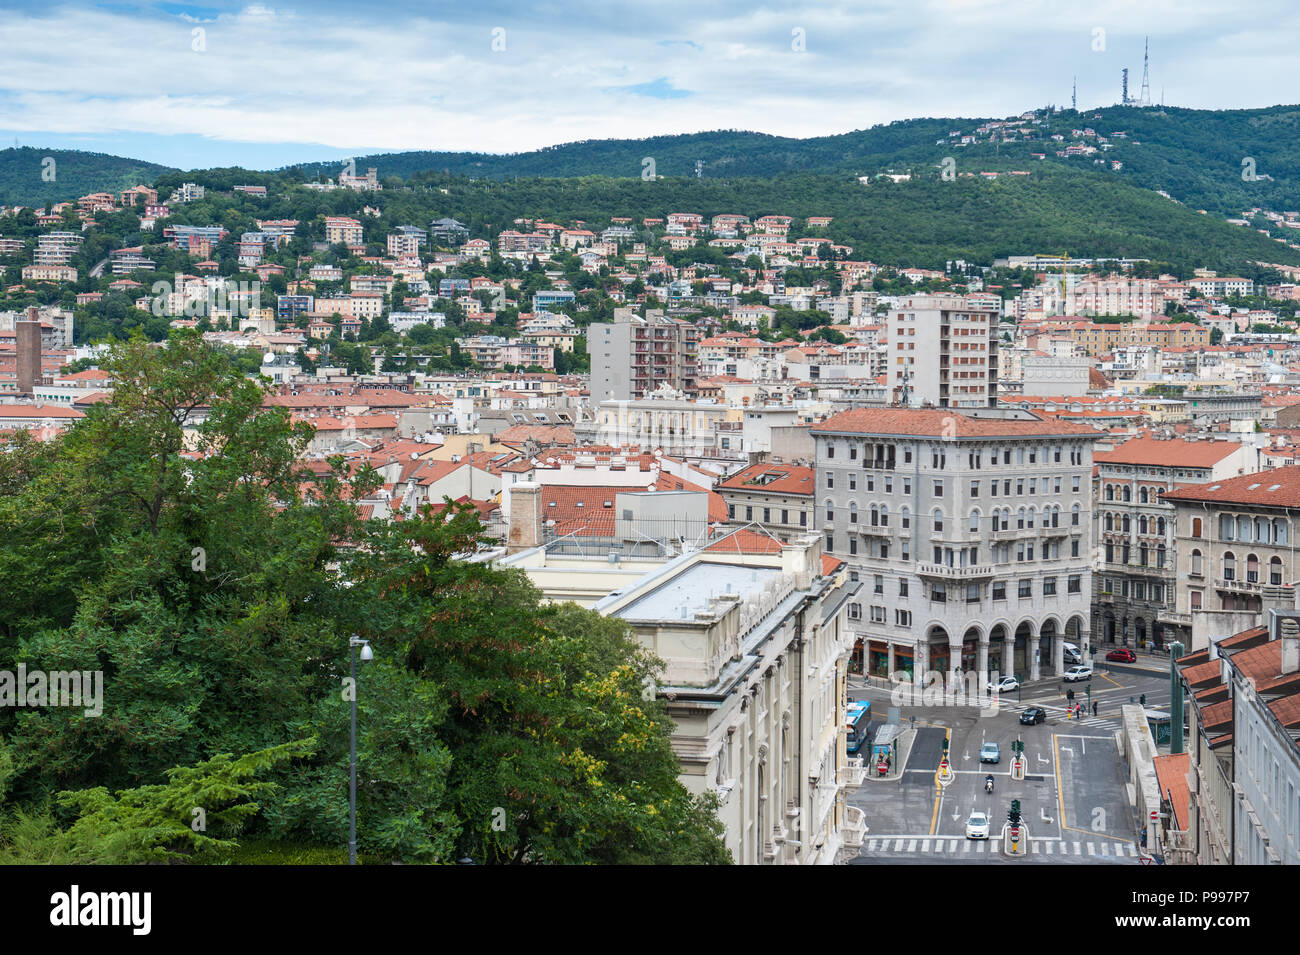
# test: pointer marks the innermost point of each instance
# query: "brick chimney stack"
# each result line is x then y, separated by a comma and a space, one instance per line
525, 517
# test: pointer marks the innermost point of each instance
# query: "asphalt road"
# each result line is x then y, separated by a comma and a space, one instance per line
1073, 799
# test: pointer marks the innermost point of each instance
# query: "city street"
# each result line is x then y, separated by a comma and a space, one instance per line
1072, 798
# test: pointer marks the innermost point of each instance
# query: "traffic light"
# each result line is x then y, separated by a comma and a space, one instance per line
1069, 694
1013, 816
1144, 699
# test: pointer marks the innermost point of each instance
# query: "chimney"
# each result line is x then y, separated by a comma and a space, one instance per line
28, 336
525, 517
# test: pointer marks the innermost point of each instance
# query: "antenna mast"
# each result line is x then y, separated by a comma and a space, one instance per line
1144, 98
1074, 95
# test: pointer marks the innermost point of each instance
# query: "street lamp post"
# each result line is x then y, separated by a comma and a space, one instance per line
366, 655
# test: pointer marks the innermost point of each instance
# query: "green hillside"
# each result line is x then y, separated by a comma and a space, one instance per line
24, 180
1194, 155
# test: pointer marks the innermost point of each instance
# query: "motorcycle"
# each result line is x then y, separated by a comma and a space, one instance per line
988, 784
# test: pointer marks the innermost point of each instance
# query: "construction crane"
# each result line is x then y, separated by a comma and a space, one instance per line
1065, 259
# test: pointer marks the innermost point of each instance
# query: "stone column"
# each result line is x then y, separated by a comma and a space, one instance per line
954, 658
889, 673
920, 659
1032, 648
984, 657
1058, 654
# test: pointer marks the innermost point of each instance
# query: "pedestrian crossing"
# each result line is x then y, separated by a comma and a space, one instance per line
1058, 713
959, 847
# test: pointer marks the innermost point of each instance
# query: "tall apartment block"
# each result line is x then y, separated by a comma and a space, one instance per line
633, 356
972, 536
943, 352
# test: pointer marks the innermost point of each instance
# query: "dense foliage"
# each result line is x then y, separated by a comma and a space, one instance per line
174, 542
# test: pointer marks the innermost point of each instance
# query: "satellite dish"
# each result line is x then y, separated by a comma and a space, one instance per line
269, 358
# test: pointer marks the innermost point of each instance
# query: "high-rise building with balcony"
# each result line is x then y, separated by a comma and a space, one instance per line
943, 352
971, 534
634, 356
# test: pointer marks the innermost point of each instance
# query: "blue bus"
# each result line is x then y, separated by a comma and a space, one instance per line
858, 723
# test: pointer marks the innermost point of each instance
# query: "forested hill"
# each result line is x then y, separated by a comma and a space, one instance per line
1196, 156
1202, 158
28, 178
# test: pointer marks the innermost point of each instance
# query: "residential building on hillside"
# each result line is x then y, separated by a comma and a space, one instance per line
972, 534
634, 356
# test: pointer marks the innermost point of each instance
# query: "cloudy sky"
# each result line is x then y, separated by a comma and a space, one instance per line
264, 85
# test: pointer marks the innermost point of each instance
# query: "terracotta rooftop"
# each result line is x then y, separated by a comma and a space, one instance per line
1171, 452
777, 478
1171, 774
1277, 488
943, 423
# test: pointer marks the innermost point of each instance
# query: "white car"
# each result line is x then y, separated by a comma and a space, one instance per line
977, 826
1004, 685
1075, 674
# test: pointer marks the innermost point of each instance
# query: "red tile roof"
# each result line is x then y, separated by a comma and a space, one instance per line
1173, 452
1277, 488
777, 478
943, 423
1171, 774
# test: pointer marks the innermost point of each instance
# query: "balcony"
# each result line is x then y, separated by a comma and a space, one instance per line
1174, 618
875, 530
955, 573
855, 827
1240, 586
853, 772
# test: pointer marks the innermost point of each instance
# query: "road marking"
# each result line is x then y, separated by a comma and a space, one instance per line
898, 846
1076, 849
911, 846
1092, 849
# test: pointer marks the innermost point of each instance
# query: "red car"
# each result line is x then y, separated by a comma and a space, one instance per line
1122, 655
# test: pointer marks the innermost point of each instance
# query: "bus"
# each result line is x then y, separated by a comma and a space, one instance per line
858, 723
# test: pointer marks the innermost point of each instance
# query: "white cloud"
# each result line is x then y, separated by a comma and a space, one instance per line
349, 76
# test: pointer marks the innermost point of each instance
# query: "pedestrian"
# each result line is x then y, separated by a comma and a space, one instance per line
1094, 708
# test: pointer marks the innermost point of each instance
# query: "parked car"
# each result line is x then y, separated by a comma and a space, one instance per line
1077, 674
977, 826
1122, 655
990, 753
1033, 715
1004, 685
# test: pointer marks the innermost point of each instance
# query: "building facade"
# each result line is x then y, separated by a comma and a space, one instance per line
777, 497
943, 352
971, 535
1134, 599
634, 356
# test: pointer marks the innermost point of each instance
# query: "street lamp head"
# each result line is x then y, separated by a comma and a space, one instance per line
366, 653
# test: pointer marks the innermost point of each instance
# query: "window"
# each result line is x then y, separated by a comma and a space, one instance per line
830, 450
1049, 586
974, 521
749, 513
1158, 593
1281, 531
1000, 590
903, 618
938, 594
803, 518
853, 544
1196, 527
830, 479
830, 543
1160, 556
902, 586
1229, 566
974, 488
785, 516
1074, 484
1196, 570
1025, 589
731, 511
871, 482
907, 456
972, 593
853, 512
1275, 571
855, 611
853, 453
1107, 587
1110, 492
1139, 590
1195, 599
1227, 527
1073, 584
938, 489
853, 481
1252, 568
1074, 516
938, 520
906, 517
907, 485
1074, 547
878, 587
877, 614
